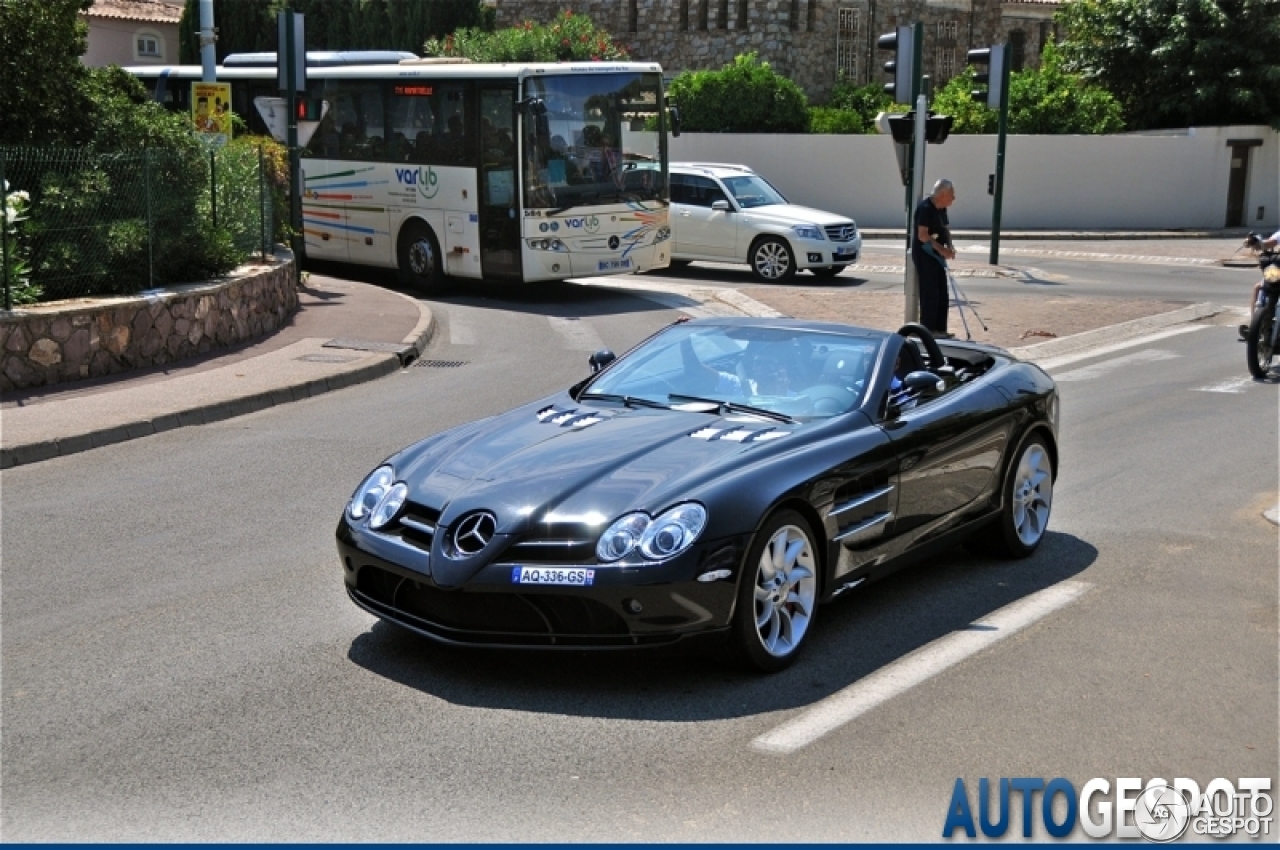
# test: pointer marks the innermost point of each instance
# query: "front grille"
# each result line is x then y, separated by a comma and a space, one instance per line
555, 543
417, 525
532, 619
841, 232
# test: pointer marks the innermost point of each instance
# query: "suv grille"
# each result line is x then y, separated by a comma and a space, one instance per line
841, 232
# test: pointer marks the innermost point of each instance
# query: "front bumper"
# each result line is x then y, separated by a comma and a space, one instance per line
812, 253
622, 608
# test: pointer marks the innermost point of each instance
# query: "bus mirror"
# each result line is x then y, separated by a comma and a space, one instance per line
675, 119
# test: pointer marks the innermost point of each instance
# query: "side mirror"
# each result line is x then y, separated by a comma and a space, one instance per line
722, 206
601, 359
926, 384
674, 111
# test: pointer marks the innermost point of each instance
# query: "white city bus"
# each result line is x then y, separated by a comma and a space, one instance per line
522, 172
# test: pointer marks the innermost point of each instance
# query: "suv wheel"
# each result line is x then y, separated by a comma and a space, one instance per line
771, 260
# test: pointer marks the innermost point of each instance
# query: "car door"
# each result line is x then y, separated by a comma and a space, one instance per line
702, 231
948, 451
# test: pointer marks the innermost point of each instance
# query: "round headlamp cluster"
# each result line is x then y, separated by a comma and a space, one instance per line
378, 498
546, 244
658, 539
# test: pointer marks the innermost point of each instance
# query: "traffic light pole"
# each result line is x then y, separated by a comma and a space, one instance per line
296, 241
999, 194
915, 188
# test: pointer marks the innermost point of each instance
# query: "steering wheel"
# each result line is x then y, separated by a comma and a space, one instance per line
934, 359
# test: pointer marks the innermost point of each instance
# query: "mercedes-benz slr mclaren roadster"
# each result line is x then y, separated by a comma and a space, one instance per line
726, 476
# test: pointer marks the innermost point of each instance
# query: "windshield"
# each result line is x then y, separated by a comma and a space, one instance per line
593, 147
753, 191
799, 373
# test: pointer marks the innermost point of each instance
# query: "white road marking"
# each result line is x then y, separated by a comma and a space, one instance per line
461, 331
1235, 385
576, 334
1065, 359
1097, 370
888, 682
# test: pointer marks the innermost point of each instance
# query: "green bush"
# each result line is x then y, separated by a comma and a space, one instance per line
1044, 100
568, 38
745, 96
824, 119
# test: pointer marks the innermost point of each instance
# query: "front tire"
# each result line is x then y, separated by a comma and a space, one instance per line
419, 260
777, 594
1028, 500
1257, 341
771, 260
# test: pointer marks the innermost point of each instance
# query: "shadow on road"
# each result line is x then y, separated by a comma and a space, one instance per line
854, 637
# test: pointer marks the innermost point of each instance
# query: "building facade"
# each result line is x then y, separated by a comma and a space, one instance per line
132, 32
813, 42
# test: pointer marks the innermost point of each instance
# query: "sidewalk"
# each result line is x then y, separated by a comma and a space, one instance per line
348, 332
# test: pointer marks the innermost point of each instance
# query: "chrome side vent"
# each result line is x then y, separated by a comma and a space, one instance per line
571, 418
738, 435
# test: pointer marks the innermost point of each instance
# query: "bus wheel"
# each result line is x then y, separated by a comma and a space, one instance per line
418, 257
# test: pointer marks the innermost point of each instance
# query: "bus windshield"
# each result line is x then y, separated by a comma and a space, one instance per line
593, 139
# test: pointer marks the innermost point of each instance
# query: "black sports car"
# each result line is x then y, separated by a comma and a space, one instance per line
725, 476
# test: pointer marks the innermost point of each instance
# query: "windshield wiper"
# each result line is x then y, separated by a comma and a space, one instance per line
628, 400
733, 406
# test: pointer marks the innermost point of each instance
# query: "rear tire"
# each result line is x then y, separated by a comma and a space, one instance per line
419, 260
1027, 501
1257, 342
777, 594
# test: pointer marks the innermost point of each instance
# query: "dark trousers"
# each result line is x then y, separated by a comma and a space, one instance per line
933, 293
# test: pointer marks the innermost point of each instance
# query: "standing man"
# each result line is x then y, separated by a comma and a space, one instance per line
930, 249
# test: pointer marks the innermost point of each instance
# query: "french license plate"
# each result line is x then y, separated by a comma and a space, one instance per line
552, 575
613, 265
841, 254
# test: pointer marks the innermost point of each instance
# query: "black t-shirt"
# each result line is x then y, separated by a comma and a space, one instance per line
927, 215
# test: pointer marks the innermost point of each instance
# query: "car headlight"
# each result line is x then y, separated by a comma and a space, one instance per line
659, 539
390, 505
808, 231
370, 492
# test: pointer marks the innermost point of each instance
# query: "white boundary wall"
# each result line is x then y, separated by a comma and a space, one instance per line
1140, 181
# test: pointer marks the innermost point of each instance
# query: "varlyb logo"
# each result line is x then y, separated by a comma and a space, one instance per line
424, 179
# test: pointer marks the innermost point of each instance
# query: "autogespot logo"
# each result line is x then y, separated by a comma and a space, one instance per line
1159, 811
424, 179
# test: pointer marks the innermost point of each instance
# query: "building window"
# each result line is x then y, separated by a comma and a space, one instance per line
633, 16
1017, 50
793, 15
847, 44
684, 15
742, 14
703, 13
947, 32
944, 65
148, 45
722, 15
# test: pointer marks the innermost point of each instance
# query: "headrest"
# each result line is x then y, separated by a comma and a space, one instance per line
844, 363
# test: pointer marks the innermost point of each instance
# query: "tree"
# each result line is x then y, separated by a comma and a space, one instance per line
245, 27
745, 96
568, 38
41, 42
1044, 100
1178, 63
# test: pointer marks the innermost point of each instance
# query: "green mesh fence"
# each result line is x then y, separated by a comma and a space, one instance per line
80, 223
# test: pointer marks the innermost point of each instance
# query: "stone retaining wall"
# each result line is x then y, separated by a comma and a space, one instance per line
86, 338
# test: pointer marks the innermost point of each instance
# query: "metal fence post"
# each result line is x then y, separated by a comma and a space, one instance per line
213, 186
4, 234
151, 227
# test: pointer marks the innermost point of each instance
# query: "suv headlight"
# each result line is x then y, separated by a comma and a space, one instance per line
659, 539
808, 231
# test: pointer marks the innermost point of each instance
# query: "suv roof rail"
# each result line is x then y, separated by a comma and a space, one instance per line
712, 165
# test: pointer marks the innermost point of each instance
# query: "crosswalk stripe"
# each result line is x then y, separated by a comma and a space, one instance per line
1235, 385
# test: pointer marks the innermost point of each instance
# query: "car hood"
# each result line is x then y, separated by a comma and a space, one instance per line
578, 463
796, 214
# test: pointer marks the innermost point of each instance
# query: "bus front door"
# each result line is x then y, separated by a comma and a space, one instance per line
499, 186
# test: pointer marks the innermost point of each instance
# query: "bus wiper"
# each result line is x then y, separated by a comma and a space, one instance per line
733, 406
627, 400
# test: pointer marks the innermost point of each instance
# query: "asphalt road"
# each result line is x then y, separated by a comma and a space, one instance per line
180, 661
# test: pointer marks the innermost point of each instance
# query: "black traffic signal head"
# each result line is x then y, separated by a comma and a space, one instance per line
900, 67
902, 126
991, 76
937, 128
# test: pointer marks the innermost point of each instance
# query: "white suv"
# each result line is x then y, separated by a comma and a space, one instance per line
728, 213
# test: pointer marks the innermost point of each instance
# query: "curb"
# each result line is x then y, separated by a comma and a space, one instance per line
413, 346
1114, 333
